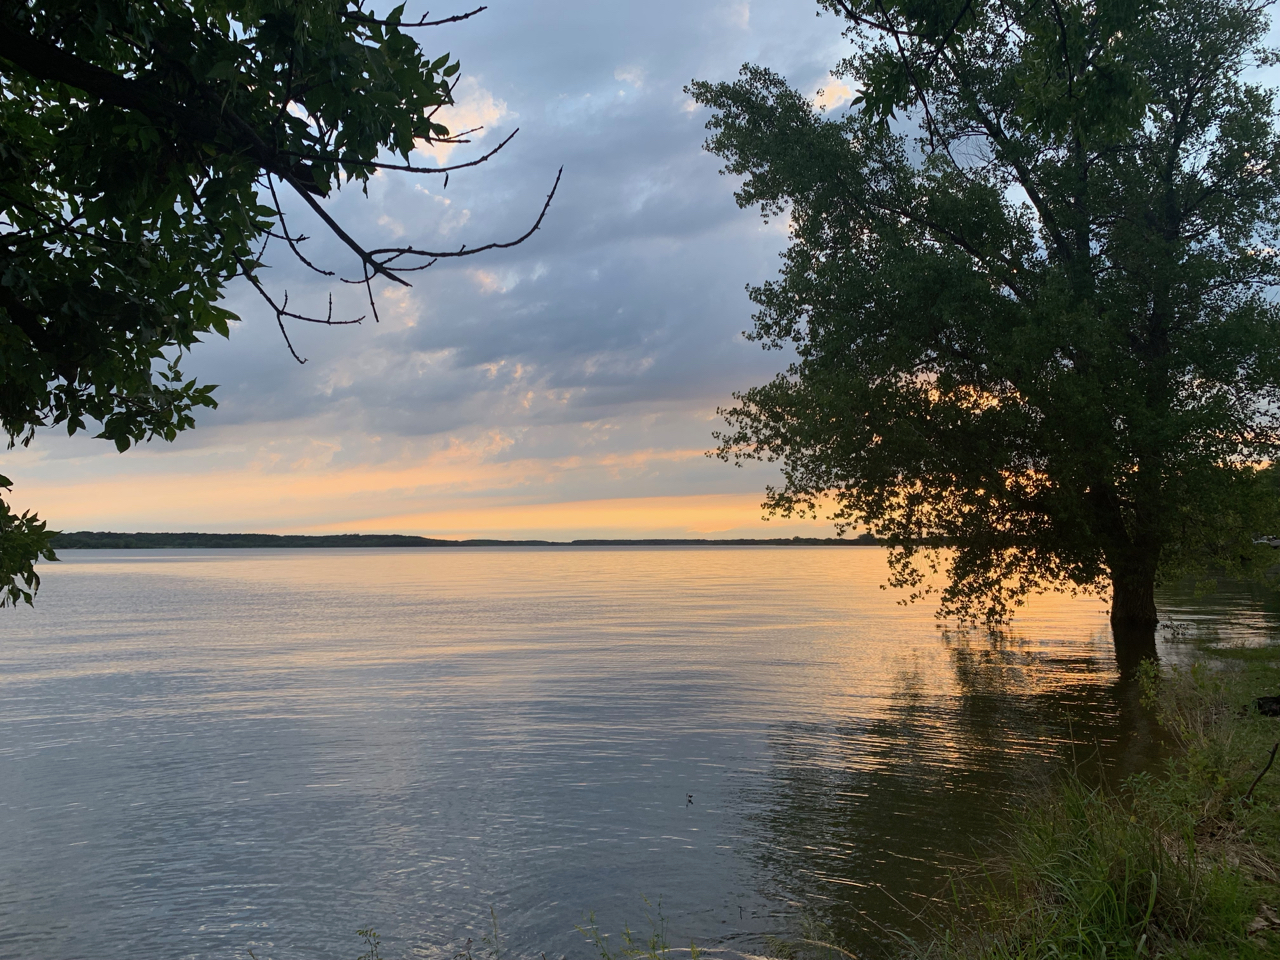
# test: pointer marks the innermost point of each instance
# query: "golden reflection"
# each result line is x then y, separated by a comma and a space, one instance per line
961, 728
870, 744
818, 617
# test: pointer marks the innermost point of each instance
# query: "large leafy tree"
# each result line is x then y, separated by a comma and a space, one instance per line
1029, 289
144, 149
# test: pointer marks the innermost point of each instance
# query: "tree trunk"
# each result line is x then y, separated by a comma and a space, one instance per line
1133, 617
1133, 599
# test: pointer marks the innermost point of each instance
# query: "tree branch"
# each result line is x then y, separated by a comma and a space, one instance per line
396, 252
341, 234
284, 229
47, 62
402, 167
423, 22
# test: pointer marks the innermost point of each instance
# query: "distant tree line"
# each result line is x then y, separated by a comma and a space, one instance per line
87, 540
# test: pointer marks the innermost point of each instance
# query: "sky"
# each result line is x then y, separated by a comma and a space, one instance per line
565, 388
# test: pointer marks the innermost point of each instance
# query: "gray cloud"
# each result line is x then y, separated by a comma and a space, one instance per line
634, 287
615, 328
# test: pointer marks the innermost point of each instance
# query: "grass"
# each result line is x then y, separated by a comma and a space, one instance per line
1185, 864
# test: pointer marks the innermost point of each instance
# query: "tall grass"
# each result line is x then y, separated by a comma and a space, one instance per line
1085, 877
1178, 865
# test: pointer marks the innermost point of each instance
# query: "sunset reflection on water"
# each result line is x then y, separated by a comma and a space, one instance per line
204, 752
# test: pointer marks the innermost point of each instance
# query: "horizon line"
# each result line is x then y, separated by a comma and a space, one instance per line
108, 540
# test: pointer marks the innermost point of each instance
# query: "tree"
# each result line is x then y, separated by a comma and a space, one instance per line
144, 147
1028, 287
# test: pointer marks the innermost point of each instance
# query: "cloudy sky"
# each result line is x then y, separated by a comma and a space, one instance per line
566, 388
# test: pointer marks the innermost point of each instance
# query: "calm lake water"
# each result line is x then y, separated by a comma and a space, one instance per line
203, 753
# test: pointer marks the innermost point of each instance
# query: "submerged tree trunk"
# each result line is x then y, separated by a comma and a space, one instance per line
1133, 616
1133, 600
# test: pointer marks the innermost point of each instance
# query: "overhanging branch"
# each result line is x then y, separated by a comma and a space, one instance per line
394, 253
422, 22
47, 62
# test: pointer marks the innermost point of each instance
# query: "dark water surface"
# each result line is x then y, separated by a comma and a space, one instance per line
203, 753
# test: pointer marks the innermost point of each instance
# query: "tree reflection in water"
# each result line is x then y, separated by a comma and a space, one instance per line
866, 818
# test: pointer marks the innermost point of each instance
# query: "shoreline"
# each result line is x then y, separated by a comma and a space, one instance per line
92, 540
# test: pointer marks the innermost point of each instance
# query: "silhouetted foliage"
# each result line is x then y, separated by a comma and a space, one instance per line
144, 146
1029, 290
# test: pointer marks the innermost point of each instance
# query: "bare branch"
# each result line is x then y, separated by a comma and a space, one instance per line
424, 22
280, 319
281, 310
404, 167
453, 137
368, 289
396, 252
341, 234
284, 227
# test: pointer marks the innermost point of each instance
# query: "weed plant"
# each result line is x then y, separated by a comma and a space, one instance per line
630, 945
373, 943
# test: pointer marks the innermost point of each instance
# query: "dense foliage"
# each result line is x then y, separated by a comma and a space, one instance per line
143, 148
1029, 290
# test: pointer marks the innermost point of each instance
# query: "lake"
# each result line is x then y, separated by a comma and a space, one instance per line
209, 752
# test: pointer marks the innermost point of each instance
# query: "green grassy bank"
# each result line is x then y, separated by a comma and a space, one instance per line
1182, 864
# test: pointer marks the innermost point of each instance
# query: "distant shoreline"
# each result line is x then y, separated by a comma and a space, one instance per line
89, 540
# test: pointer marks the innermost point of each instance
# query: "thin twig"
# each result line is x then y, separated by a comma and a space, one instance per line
403, 167
1248, 797
424, 22
284, 228
830, 946
394, 252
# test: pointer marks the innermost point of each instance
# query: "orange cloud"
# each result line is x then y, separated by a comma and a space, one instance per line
456, 491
